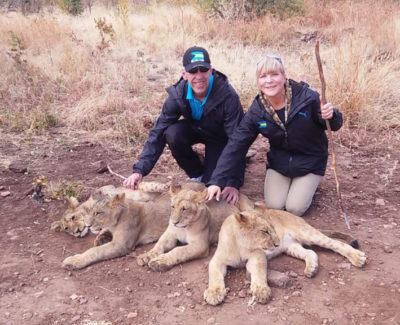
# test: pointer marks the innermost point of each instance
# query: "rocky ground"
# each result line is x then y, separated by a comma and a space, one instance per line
35, 289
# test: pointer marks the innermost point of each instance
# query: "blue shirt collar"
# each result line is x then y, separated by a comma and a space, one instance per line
190, 95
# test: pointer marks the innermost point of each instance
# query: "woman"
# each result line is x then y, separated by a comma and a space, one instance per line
289, 114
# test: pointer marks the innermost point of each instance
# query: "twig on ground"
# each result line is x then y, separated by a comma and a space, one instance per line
105, 289
33, 263
114, 173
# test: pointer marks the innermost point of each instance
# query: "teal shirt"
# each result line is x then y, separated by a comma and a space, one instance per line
195, 104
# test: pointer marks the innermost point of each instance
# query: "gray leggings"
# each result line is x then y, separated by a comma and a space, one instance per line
291, 194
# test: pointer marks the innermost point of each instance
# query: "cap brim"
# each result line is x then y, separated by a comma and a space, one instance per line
197, 64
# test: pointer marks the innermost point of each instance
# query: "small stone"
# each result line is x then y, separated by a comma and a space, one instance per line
128, 289
211, 320
45, 279
132, 315
27, 315
293, 274
73, 296
5, 193
38, 294
242, 293
380, 202
387, 249
83, 301
75, 318
344, 266
17, 167
296, 293
278, 279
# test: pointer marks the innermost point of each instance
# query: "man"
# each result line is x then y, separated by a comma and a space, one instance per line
211, 111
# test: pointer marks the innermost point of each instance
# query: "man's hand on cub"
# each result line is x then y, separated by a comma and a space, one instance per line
230, 194
133, 181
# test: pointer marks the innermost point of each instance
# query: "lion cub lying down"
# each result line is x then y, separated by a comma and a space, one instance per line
122, 225
194, 223
73, 220
123, 218
252, 237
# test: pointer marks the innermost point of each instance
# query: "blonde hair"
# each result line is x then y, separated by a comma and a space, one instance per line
268, 64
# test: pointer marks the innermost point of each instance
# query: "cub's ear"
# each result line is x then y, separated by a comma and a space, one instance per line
119, 197
174, 188
241, 217
73, 202
260, 206
203, 195
56, 225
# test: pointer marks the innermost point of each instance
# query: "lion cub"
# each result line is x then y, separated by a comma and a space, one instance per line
239, 243
121, 224
72, 222
194, 223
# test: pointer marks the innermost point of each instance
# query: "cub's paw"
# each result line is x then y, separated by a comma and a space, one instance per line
262, 294
311, 270
73, 262
144, 259
160, 263
214, 295
358, 258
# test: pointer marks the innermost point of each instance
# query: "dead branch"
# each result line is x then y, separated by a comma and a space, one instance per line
115, 174
328, 126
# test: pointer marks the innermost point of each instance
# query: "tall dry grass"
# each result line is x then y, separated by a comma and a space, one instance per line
65, 78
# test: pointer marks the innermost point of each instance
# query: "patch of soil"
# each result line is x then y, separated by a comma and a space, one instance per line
35, 289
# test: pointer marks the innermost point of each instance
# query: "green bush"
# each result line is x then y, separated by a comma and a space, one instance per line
247, 9
73, 7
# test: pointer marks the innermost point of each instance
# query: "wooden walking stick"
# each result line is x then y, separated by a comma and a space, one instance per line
328, 126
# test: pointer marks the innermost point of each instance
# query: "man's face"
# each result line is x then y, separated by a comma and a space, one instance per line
198, 80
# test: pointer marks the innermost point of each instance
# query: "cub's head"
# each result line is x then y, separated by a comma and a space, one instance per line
106, 212
72, 222
255, 232
187, 206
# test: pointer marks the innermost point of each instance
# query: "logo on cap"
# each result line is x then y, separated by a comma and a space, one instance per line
197, 56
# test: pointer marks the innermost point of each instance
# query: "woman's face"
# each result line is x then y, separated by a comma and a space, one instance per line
272, 83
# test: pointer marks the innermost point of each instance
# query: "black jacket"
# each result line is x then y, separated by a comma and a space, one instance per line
304, 150
222, 114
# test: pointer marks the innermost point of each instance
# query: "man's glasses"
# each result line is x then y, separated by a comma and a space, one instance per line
197, 69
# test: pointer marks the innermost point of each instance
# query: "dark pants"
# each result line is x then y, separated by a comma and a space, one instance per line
180, 138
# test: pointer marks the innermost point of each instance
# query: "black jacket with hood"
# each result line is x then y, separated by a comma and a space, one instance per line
303, 150
222, 114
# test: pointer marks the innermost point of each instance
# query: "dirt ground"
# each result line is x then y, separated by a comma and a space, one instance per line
35, 289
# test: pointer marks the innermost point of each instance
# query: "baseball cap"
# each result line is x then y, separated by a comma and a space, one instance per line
196, 56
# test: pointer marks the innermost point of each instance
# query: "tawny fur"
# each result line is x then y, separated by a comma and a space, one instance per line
238, 246
194, 223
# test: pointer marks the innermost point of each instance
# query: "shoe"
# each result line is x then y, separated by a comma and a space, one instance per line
196, 179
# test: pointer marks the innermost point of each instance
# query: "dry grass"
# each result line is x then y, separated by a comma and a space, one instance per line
116, 92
